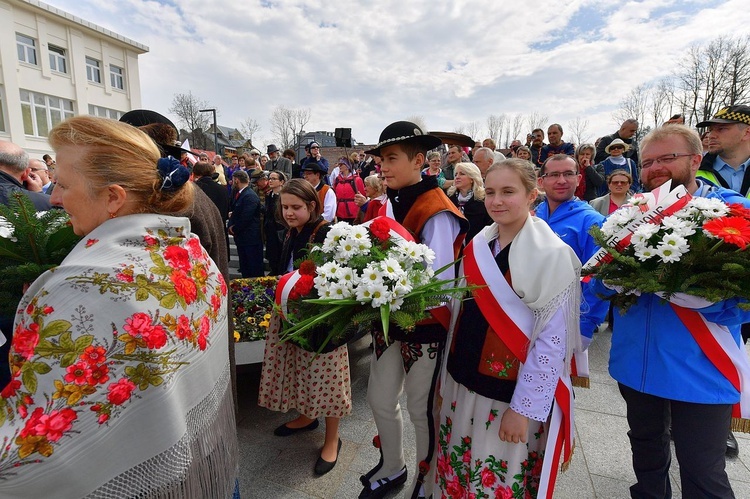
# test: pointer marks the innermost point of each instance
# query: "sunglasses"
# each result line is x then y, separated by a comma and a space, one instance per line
619, 182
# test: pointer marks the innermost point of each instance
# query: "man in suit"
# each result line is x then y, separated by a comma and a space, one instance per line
278, 163
244, 225
203, 176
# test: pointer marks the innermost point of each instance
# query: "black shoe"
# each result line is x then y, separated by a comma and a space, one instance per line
733, 448
384, 486
285, 431
322, 466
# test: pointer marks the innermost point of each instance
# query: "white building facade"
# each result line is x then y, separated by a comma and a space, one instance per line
54, 65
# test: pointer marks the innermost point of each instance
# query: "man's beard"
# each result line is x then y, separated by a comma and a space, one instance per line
678, 178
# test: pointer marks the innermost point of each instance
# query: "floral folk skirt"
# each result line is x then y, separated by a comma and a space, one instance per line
293, 378
472, 461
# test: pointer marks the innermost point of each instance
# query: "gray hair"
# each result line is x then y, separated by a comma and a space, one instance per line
487, 152
13, 157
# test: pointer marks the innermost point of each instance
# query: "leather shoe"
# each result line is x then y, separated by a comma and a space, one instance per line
733, 449
384, 486
285, 431
322, 466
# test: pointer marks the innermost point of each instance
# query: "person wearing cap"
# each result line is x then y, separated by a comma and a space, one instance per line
313, 173
410, 362
277, 162
728, 157
666, 353
617, 161
244, 224
726, 165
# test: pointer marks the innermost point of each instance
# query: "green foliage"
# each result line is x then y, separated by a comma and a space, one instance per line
40, 241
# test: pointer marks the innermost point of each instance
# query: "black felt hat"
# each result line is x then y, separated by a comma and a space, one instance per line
404, 131
312, 166
149, 122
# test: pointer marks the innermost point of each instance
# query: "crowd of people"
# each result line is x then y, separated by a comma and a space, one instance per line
493, 384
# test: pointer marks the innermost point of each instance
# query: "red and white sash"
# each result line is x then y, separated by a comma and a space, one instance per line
506, 312
722, 350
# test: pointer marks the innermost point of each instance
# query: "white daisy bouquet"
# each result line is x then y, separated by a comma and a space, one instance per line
683, 244
359, 276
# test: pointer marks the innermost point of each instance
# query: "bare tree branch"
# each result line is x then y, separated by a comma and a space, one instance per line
578, 130
287, 124
536, 120
249, 128
186, 107
495, 125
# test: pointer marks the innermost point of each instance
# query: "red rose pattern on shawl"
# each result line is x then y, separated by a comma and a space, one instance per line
100, 375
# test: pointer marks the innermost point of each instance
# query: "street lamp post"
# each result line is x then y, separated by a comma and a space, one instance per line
216, 140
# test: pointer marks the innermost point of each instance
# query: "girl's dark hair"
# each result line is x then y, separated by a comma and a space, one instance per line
306, 192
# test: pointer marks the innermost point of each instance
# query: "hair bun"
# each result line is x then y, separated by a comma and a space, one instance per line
172, 173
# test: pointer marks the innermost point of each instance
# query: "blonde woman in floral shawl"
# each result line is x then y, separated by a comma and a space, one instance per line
120, 372
505, 424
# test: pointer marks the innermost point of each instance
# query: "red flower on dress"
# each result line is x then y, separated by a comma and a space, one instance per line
10, 388
380, 229
184, 286
215, 303
183, 330
307, 267
139, 325
156, 337
454, 488
150, 240
51, 425
120, 392
103, 418
99, 375
26, 340
467, 456
125, 276
178, 257
203, 335
732, 230
94, 355
444, 466
195, 249
78, 373
488, 478
91, 242
222, 284
503, 493
47, 310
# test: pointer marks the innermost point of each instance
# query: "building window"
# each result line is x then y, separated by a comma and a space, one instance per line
26, 48
42, 112
104, 112
117, 77
57, 60
93, 73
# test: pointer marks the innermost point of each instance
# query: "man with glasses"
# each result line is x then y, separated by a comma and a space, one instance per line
571, 218
663, 367
42, 171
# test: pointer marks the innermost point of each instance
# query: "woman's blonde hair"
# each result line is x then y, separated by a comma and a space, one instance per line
472, 171
375, 182
116, 153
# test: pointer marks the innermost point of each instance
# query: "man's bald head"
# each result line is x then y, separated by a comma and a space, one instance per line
13, 159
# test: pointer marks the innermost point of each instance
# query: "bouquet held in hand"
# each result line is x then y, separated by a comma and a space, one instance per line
669, 242
359, 276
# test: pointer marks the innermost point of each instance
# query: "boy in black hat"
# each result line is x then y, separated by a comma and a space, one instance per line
411, 361
313, 173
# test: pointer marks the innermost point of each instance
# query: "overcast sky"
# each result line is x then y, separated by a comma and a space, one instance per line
363, 64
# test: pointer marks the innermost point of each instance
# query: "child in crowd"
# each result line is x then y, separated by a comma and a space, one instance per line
411, 361
510, 351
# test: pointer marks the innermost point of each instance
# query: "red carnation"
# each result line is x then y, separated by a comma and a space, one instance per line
307, 268
304, 285
380, 229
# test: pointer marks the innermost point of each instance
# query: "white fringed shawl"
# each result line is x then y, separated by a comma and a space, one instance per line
121, 372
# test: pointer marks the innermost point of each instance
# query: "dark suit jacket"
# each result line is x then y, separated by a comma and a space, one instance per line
245, 219
8, 185
217, 193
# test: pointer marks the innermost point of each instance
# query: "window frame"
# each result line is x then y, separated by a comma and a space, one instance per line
115, 77
104, 112
31, 111
22, 46
58, 55
93, 68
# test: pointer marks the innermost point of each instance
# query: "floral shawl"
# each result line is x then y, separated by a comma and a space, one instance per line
120, 381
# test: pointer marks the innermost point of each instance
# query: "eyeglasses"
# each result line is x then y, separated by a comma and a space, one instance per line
666, 159
315, 147
556, 175
620, 182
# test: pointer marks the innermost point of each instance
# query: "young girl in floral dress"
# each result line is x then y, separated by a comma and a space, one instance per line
293, 378
510, 349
